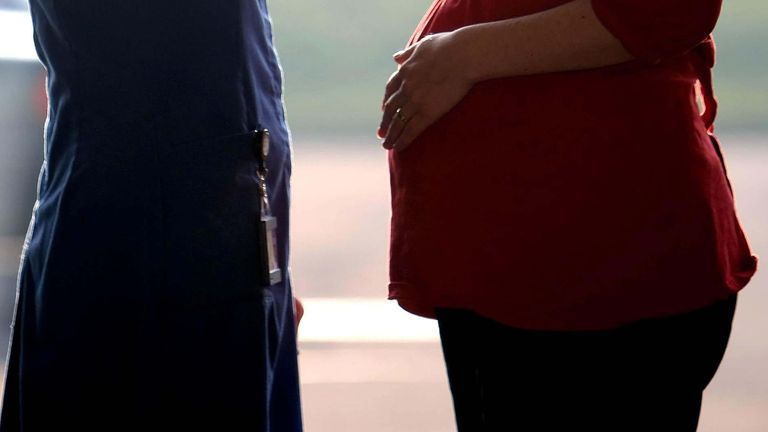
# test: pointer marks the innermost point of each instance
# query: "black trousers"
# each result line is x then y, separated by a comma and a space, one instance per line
647, 376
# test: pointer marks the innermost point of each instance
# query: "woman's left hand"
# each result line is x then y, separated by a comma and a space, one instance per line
298, 312
431, 79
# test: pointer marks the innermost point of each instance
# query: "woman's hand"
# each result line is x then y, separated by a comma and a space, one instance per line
431, 79
298, 312
438, 71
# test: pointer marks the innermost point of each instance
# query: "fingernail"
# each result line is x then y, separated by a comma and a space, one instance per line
397, 54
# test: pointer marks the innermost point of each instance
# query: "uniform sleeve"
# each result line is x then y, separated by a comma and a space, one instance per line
653, 30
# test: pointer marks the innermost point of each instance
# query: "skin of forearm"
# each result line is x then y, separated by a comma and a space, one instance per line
566, 38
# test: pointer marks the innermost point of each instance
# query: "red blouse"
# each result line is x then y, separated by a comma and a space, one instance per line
574, 200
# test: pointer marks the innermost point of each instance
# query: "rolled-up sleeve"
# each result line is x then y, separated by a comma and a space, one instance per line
653, 30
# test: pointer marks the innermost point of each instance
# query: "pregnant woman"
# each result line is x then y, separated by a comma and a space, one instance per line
142, 302
561, 206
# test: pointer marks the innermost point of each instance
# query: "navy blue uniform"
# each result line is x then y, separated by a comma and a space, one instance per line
140, 304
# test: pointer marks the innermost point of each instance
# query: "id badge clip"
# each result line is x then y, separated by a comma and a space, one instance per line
270, 267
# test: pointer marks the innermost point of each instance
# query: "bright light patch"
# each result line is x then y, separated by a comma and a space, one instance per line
362, 321
16, 36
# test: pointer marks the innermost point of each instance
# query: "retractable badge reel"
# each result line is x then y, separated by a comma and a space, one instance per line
270, 269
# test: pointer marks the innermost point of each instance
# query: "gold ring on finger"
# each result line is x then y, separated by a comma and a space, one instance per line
400, 116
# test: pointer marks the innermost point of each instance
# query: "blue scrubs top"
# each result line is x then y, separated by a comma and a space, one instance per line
139, 302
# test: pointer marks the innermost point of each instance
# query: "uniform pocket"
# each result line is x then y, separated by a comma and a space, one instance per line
210, 219
272, 333
235, 144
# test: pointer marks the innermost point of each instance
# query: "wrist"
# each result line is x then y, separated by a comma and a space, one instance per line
463, 44
493, 50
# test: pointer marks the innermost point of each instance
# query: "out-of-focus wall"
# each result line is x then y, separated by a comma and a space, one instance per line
21, 153
21, 141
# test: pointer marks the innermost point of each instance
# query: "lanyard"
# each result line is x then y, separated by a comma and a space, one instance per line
261, 150
270, 266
